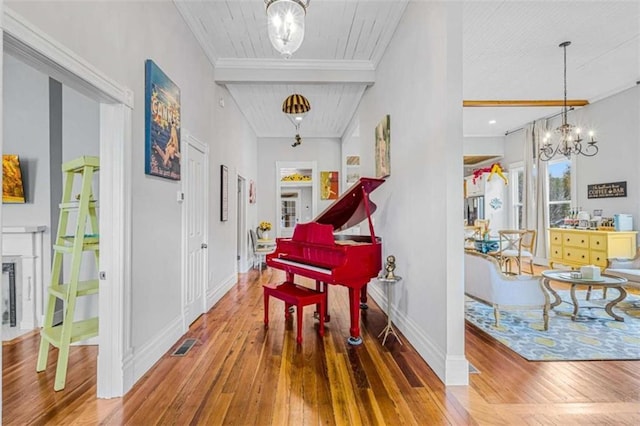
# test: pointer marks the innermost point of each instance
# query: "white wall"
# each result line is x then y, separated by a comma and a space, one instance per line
233, 144
615, 121
419, 216
81, 137
116, 38
26, 133
325, 151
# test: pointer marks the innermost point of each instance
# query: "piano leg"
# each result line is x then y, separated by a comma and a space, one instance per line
354, 310
363, 297
323, 288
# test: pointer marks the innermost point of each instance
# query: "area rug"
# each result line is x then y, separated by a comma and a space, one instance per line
593, 336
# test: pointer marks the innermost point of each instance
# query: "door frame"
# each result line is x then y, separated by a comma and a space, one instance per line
191, 140
313, 165
38, 49
242, 240
298, 191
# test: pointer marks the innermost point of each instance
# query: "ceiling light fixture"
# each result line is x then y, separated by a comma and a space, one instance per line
285, 24
296, 107
569, 136
492, 121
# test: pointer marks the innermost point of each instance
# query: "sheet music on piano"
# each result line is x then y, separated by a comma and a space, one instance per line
314, 251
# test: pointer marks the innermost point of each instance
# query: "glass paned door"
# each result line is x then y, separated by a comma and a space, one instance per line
289, 212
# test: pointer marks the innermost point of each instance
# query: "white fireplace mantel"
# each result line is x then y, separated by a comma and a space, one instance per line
23, 245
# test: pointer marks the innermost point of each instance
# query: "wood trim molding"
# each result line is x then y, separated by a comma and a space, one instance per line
53, 58
525, 103
38, 48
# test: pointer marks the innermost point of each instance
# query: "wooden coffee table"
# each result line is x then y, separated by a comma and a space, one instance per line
605, 281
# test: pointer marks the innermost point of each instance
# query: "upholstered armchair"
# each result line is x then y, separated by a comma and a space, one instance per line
626, 268
485, 282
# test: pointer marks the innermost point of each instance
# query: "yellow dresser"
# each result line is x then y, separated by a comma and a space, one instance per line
578, 247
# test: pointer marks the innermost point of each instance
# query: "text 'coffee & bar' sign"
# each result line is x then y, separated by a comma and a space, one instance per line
607, 190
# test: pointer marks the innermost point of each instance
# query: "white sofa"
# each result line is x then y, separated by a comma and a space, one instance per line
626, 268
485, 281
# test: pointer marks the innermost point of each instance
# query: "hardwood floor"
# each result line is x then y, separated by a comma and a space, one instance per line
240, 373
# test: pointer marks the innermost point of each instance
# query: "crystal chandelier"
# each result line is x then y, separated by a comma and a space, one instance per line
296, 107
285, 23
569, 136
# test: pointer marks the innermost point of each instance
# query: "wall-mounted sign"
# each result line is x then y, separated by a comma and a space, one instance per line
607, 190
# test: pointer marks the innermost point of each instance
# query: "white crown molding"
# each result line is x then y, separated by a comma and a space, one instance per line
29, 42
297, 64
228, 71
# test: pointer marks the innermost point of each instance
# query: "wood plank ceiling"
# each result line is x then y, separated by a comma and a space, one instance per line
344, 41
510, 51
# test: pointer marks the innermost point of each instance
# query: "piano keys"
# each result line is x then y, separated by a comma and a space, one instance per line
314, 251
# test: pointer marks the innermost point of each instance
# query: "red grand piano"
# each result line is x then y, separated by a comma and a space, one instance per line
349, 260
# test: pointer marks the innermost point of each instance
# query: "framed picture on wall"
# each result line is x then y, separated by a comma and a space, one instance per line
252, 192
383, 142
224, 193
12, 185
162, 124
329, 185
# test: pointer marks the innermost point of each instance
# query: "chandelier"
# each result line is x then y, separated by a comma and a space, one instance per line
569, 136
285, 23
296, 107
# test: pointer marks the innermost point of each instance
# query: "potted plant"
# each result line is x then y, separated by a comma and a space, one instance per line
263, 230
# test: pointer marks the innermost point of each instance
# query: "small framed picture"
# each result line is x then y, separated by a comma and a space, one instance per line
224, 193
597, 213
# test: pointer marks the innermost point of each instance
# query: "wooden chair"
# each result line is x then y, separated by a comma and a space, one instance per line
516, 245
260, 252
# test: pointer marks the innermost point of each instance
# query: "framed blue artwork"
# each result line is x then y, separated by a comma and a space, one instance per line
162, 124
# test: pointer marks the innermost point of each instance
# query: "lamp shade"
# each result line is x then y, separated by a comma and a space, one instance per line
285, 24
296, 107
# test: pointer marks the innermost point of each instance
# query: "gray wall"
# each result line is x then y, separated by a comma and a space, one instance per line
325, 151
420, 205
615, 121
116, 38
46, 124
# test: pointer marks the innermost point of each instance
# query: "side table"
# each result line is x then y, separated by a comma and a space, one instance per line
389, 328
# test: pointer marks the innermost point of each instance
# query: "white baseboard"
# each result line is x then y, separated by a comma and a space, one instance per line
216, 293
148, 354
451, 370
128, 371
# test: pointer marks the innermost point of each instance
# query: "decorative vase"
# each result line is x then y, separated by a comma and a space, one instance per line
264, 235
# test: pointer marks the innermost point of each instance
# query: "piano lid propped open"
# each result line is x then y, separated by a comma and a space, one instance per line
352, 207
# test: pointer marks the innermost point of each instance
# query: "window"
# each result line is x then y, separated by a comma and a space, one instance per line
559, 178
517, 195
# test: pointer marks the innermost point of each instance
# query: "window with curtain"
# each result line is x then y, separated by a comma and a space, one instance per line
517, 195
559, 178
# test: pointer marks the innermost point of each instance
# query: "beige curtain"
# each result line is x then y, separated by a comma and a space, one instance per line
535, 215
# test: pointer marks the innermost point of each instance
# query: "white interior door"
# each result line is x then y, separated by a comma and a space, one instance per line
289, 211
195, 212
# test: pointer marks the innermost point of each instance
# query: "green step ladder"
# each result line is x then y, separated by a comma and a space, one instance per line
71, 244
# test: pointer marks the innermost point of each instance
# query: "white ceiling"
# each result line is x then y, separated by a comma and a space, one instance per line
510, 51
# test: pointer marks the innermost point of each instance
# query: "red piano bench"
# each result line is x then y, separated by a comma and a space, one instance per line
294, 295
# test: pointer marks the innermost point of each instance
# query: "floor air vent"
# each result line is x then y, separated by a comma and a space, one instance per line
184, 347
